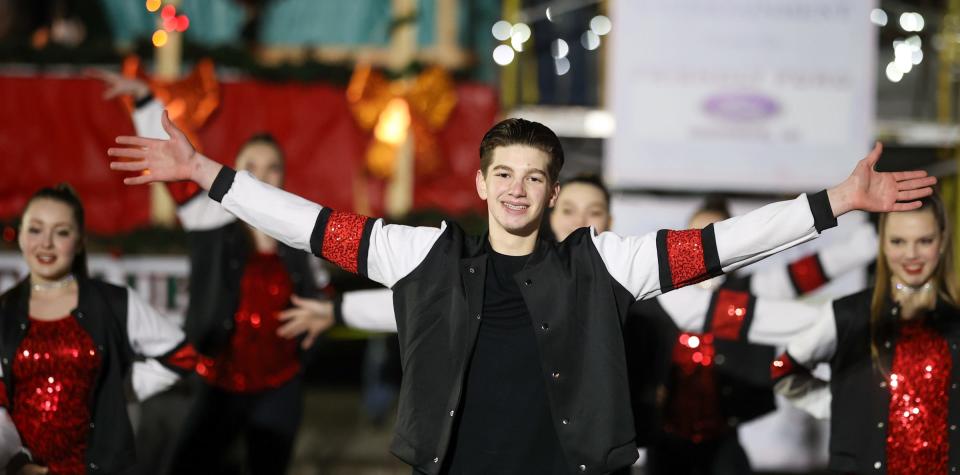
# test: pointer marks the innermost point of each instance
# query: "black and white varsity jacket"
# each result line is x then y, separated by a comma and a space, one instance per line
133, 340
577, 292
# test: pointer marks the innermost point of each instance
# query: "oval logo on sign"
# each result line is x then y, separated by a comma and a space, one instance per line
741, 107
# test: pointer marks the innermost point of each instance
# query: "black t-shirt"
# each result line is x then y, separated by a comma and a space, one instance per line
505, 425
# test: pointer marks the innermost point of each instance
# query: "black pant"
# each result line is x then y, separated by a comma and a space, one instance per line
675, 456
267, 420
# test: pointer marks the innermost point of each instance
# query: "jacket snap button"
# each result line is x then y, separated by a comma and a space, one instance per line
472, 270
879, 425
23, 326
451, 413
556, 375
527, 282
583, 468
877, 465
564, 421
93, 466
545, 326
478, 316
436, 459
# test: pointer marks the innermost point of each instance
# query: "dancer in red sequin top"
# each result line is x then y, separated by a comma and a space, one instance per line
893, 394
250, 313
68, 343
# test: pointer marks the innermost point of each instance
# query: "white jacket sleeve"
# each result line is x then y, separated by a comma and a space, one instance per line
658, 262
366, 246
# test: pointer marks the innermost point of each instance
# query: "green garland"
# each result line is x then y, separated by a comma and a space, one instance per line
231, 57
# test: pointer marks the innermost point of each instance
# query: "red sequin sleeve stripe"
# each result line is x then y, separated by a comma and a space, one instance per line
182, 359
730, 315
343, 239
687, 257
785, 366
807, 274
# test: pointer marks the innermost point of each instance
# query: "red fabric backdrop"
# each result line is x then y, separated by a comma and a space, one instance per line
55, 129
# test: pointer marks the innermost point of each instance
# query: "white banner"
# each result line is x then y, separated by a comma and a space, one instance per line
746, 95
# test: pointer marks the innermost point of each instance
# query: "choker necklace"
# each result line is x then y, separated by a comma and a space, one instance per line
909, 289
54, 285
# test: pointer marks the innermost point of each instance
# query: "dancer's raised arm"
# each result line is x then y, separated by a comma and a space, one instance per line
659, 262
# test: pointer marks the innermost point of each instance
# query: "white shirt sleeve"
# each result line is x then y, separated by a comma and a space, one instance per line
150, 335
817, 344
777, 322
855, 252
10, 443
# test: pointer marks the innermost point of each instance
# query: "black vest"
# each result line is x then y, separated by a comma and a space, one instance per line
217, 259
744, 387
102, 312
860, 396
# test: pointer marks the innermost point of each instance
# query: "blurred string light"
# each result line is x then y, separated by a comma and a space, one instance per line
519, 34
501, 30
906, 54
503, 55
878, 17
601, 25
559, 49
911, 21
159, 38
169, 22
590, 40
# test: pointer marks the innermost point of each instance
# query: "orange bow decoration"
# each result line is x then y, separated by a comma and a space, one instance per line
394, 109
189, 100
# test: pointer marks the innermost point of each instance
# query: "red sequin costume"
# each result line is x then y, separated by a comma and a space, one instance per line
56, 368
256, 358
693, 409
917, 437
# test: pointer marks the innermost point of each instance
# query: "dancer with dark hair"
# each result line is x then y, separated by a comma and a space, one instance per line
508, 339
67, 345
245, 288
686, 406
892, 396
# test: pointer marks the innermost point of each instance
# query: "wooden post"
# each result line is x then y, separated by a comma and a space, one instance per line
403, 47
167, 63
